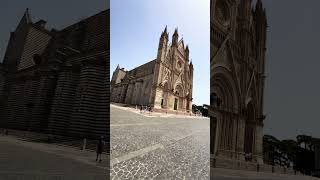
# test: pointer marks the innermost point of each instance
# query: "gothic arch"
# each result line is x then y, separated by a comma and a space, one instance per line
179, 97
225, 87
165, 95
178, 90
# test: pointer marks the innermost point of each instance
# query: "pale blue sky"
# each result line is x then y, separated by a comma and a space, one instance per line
136, 27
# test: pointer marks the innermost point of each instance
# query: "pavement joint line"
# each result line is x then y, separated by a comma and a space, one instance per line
145, 150
134, 154
188, 135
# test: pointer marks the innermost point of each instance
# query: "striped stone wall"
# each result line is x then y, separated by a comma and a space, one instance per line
2, 81
63, 101
90, 115
42, 101
35, 43
68, 92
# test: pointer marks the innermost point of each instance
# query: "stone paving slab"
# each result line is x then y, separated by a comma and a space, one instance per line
32, 161
158, 147
87, 157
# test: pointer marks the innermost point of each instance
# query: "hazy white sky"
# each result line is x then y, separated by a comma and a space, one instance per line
136, 27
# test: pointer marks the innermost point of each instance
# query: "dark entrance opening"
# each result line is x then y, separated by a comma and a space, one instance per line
161, 103
175, 104
249, 130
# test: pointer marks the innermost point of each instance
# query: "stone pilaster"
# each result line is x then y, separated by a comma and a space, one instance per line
43, 100
259, 143
64, 97
240, 138
91, 107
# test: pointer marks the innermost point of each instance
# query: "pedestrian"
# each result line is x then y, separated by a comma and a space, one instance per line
141, 109
100, 147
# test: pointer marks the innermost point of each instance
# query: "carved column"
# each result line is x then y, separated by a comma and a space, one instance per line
259, 143
240, 138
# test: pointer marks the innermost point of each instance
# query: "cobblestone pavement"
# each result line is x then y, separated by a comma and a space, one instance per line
29, 161
158, 147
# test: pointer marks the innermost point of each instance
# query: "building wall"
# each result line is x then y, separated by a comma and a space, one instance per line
67, 93
159, 82
2, 80
83, 85
35, 43
89, 116
64, 99
238, 39
134, 90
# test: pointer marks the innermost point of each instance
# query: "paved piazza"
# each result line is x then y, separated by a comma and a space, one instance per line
19, 161
228, 174
158, 147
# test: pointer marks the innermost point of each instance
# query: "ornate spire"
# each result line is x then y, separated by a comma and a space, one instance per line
27, 15
187, 51
165, 33
176, 32
175, 37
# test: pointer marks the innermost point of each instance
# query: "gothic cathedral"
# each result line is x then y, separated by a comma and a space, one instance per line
165, 83
238, 49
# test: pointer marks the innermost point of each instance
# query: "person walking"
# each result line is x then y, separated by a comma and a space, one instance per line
100, 147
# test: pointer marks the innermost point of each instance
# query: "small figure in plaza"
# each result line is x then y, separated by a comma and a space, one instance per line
100, 147
149, 109
141, 107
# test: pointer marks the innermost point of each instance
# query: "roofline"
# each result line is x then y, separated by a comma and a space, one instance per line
97, 14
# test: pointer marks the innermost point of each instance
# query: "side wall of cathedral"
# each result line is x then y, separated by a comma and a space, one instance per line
2, 81
133, 87
61, 86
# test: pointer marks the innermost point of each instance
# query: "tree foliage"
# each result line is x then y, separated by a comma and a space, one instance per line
299, 153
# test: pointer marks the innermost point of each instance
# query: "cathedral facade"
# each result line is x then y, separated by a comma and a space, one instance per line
238, 50
57, 81
165, 83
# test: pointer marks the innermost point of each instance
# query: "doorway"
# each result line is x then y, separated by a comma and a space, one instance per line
175, 107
